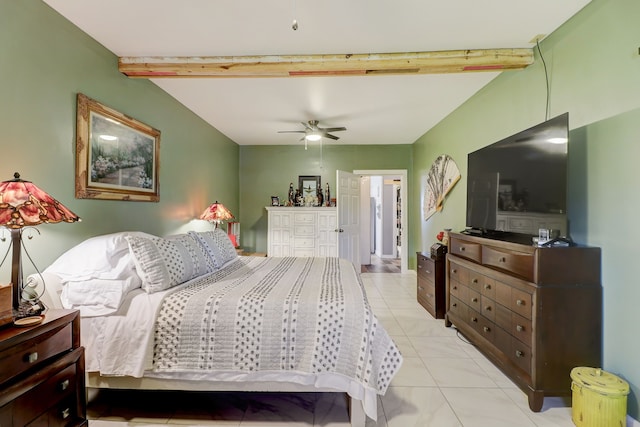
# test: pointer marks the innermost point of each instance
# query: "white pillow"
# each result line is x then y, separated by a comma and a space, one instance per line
100, 257
163, 263
217, 245
97, 297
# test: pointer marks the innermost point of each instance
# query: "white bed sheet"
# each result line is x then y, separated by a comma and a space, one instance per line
122, 344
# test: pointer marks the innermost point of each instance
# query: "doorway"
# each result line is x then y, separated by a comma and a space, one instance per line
384, 219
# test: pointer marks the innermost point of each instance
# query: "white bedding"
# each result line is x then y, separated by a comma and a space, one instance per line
122, 344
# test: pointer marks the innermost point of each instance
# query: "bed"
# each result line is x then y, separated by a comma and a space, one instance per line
185, 312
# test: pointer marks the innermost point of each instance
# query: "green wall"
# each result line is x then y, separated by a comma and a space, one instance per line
268, 170
45, 61
594, 73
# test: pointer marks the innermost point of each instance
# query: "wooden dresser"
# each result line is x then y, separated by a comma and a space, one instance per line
42, 373
431, 284
535, 312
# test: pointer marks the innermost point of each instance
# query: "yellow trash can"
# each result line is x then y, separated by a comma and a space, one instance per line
599, 398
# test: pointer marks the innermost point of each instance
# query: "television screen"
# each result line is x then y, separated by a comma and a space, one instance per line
519, 184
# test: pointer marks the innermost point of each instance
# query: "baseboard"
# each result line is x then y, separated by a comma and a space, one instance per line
632, 422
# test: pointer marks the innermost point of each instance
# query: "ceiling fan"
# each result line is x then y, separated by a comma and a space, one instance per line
313, 132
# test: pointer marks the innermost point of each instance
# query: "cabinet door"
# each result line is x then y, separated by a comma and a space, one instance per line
327, 235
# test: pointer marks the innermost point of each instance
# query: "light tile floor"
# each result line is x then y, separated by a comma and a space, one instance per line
444, 381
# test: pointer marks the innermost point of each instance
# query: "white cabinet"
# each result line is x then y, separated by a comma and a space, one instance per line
302, 232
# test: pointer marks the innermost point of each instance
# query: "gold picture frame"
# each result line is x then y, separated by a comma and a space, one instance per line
117, 157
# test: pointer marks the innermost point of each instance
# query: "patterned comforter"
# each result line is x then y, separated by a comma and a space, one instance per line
303, 316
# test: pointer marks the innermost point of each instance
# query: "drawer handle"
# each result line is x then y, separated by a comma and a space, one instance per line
487, 286
462, 248
474, 299
486, 329
454, 304
454, 271
32, 357
519, 353
502, 259
474, 319
64, 385
455, 287
488, 308
519, 328
520, 302
65, 413
428, 272
474, 281
419, 266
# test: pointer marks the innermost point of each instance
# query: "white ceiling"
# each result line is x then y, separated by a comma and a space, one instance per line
383, 109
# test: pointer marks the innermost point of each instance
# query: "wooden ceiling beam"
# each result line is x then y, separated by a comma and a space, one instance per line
439, 62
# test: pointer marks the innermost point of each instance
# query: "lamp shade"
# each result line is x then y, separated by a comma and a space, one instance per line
23, 204
216, 213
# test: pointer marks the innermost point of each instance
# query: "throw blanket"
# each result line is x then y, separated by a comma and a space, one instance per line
306, 316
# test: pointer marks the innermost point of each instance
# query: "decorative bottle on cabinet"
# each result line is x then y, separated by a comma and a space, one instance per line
327, 195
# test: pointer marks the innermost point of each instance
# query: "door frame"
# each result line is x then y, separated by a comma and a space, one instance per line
404, 223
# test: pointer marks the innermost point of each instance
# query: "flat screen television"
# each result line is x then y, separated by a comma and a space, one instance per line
519, 184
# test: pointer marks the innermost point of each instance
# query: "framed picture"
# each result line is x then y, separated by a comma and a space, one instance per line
308, 184
275, 201
117, 157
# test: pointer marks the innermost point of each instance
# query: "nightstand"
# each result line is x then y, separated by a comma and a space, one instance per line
42, 374
431, 284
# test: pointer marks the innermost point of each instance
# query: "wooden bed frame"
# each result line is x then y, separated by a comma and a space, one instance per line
357, 416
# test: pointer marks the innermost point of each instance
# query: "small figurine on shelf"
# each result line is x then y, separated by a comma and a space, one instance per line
291, 195
327, 195
320, 196
297, 198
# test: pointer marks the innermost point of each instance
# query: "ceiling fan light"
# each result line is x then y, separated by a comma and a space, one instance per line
313, 137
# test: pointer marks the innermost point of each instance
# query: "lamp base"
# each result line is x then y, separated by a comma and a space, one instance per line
6, 306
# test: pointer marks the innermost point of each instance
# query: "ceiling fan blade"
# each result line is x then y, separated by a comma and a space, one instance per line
335, 138
291, 131
334, 129
308, 125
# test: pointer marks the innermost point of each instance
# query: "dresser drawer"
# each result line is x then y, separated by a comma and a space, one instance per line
26, 355
488, 287
488, 308
459, 291
521, 303
469, 250
457, 308
58, 387
482, 325
474, 300
304, 230
475, 281
62, 414
426, 290
306, 253
521, 328
458, 273
521, 355
426, 268
304, 218
518, 263
304, 243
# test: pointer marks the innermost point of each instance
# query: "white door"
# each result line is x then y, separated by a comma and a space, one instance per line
348, 201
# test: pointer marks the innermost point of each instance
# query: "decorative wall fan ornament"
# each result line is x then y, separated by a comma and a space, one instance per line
442, 176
